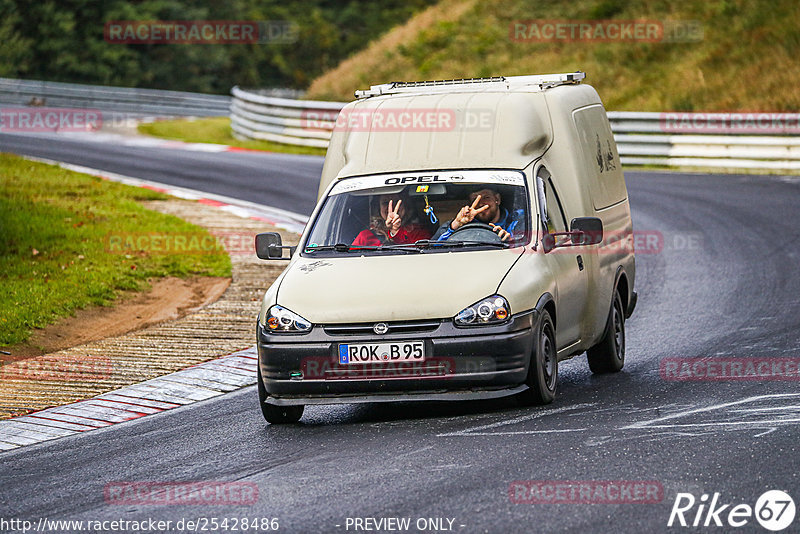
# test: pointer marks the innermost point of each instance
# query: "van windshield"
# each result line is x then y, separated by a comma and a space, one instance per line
415, 212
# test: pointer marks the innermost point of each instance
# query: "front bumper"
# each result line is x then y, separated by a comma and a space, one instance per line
461, 364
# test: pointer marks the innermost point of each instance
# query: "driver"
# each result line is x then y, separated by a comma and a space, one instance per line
485, 207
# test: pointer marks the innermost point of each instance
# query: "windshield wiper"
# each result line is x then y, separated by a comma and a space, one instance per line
427, 243
403, 248
338, 247
341, 247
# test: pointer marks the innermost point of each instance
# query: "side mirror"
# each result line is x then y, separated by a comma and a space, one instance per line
269, 246
583, 231
586, 231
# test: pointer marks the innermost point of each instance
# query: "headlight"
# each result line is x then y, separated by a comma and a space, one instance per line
491, 310
279, 319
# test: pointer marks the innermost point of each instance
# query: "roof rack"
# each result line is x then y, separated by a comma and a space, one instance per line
544, 81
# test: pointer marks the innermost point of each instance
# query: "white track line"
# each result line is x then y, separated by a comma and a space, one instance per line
478, 430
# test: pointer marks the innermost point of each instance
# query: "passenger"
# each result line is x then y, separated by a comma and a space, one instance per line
395, 225
486, 208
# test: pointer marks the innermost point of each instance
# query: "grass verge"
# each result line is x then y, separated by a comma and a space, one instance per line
216, 130
57, 226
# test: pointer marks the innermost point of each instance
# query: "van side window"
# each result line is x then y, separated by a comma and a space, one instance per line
550, 205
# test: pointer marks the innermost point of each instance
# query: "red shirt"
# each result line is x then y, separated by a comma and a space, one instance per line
406, 234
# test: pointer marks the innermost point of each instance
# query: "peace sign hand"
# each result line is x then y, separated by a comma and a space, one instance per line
467, 214
393, 220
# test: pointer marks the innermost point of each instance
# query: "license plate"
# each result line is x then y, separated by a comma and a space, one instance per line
412, 351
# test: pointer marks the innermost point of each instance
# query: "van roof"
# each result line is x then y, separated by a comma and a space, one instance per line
541, 81
486, 123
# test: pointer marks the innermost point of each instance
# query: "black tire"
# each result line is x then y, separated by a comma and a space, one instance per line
608, 356
277, 415
542, 379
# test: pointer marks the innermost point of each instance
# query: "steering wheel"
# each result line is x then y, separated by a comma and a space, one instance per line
476, 231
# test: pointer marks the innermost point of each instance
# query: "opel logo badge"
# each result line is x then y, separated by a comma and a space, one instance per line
381, 328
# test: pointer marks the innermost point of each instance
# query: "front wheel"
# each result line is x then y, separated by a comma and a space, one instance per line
276, 415
608, 356
542, 377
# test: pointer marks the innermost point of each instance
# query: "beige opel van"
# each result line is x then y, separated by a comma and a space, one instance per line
469, 235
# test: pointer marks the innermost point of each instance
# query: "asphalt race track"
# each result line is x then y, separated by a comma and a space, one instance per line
722, 283
252, 176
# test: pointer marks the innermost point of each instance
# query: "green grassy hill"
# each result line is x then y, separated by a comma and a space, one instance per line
747, 59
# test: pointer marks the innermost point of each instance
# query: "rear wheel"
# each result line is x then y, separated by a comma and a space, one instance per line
542, 377
276, 414
608, 356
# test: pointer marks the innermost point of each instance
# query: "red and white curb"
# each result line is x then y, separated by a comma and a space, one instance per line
199, 382
287, 220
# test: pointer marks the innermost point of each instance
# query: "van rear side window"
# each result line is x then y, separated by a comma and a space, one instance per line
601, 162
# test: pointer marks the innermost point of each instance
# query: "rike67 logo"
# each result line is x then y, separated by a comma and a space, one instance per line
774, 510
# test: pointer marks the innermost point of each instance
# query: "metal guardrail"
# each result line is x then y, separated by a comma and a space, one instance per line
282, 120
643, 138
122, 100
769, 141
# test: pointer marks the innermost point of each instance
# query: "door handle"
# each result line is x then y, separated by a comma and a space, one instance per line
580, 263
